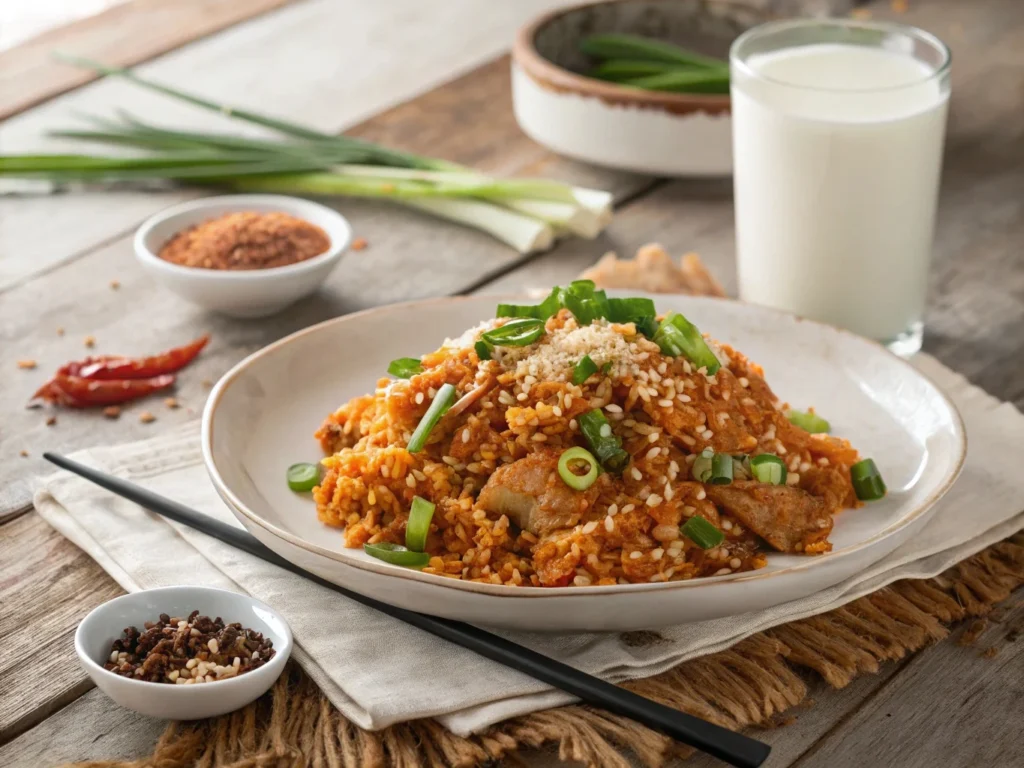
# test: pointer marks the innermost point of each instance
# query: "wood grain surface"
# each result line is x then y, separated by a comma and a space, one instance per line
124, 35
975, 313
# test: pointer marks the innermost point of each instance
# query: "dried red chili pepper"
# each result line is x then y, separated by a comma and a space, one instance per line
79, 392
143, 367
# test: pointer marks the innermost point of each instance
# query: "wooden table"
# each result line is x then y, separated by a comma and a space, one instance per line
944, 705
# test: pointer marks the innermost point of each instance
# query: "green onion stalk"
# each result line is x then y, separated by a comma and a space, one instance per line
527, 214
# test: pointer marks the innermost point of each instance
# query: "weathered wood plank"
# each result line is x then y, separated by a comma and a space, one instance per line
950, 706
325, 63
47, 585
124, 35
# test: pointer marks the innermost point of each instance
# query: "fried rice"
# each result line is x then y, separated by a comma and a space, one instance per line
502, 512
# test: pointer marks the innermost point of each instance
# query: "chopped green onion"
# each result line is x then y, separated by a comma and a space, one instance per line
702, 533
520, 332
605, 444
418, 526
702, 466
483, 350
639, 311
678, 336
584, 369
768, 468
810, 422
585, 303
396, 554
867, 481
541, 311
577, 482
442, 401
405, 367
683, 81
303, 477
606, 368
721, 469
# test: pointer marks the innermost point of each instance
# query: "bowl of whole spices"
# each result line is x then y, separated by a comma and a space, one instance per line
243, 255
183, 653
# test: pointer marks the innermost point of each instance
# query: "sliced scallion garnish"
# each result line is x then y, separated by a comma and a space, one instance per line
303, 476
418, 525
678, 336
639, 311
702, 533
721, 469
438, 407
702, 466
867, 480
574, 456
605, 444
483, 349
811, 422
584, 369
396, 554
768, 468
585, 303
405, 367
541, 311
520, 332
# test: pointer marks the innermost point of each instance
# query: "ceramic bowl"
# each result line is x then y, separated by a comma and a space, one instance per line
657, 133
181, 702
261, 416
241, 293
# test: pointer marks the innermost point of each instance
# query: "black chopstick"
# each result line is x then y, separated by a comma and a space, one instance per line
734, 748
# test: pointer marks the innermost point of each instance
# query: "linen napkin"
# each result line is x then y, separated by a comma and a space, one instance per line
378, 671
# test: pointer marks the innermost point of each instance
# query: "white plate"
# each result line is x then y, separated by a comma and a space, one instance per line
261, 416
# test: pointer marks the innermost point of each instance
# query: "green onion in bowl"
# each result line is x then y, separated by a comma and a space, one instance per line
405, 367
678, 336
768, 468
702, 466
303, 476
605, 444
721, 469
810, 422
584, 369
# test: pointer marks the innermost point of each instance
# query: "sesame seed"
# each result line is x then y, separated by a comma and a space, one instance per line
668, 492
688, 440
581, 581
613, 408
606, 430
735, 563
568, 401
665, 403
613, 510
590, 527
419, 397
653, 500
653, 453
723, 572
465, 435
628, 508
793, 478
805, 465
539, 437
701, 495
822, 462
609, 523
744, 382
572, 424
557, 412
636, 554
636, 474
410, 481
707, 434
521, 397
653, 437
727, 525
657, 553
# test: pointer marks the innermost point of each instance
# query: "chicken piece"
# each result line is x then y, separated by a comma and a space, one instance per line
789, 519
533, 496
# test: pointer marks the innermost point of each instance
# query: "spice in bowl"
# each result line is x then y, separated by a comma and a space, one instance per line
246, 240
185, 651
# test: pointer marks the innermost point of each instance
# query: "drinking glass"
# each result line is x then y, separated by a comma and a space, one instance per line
838, 128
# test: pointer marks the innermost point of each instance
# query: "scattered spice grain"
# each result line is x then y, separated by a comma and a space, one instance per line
146, 417
90, 341
112, 411
359, 244
23, 452
115, 284
246, 240
26, 365
51, 421
172, 403
60, 330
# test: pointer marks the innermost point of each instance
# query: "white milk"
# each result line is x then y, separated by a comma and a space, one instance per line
837, 156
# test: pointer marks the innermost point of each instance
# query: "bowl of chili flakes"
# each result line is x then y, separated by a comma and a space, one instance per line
244, 256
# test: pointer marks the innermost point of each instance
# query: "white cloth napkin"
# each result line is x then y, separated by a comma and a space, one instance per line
378, 671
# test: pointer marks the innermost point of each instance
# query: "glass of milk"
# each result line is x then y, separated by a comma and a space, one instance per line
838, 128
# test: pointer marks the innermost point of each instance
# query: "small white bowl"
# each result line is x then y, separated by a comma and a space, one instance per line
105, 624
241, 293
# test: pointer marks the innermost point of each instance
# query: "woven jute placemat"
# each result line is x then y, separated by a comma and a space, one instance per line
754, 683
